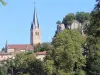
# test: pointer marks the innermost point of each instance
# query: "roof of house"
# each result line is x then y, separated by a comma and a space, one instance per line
20, 46
3, 53
40, 53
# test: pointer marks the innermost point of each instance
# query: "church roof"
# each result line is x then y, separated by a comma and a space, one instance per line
41, 53
35, 23
20, 46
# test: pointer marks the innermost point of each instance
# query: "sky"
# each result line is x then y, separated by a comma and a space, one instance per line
17, 15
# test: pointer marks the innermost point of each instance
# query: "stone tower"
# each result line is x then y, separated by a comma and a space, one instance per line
35, 32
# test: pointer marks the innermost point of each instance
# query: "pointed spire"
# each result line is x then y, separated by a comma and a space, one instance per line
35, 23
6, 42
6, 46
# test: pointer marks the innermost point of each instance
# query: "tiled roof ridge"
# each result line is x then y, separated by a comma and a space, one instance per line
19, 44
41, 53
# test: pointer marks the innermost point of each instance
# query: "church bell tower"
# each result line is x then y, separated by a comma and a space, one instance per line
35, 32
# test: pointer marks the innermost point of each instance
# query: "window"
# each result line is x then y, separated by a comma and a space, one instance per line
36, 33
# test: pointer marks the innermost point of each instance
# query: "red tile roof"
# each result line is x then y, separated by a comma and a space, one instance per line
40, 53
20, 46
1, 53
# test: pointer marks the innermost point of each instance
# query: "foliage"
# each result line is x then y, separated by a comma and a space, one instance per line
79, 16
82, 17
37, 48
93, 43
43, 47
68, 19
95, 67
3, 70
46, 46
3, 3
66, 53
81, 72
58, 22
24, 63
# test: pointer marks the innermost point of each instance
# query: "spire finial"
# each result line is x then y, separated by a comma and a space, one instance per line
6, 41
34, 4
35, 23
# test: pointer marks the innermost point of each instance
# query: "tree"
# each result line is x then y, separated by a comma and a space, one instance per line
3, 70
46, 46
82, 17
25, 63
97, 5
58, 22
66, 57
95, 67
93, 43
36, 67
3, 3
37, 48
68, 19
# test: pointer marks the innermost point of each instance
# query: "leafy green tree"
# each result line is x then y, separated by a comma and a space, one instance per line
68, 19
49, 66
46, 46
66, 58
95, 67
36, 67
82, 17
97, 5
25, 63
43, 47
3, 3
58, 22
3, 70
37, 48
93, 43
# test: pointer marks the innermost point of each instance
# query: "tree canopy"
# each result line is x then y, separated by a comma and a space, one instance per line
66, 57
82, 17
3, 2
93, 43
24, 63
68, 19
58, 22
67, 54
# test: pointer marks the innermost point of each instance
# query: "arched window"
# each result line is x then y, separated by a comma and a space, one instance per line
36, 33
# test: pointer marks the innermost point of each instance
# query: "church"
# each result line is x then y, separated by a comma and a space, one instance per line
35, 38
10, 50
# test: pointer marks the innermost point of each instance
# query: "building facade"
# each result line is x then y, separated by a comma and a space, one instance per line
35, 31
10, 50
35, 38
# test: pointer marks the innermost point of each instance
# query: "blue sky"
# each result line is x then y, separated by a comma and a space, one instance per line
16, 17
